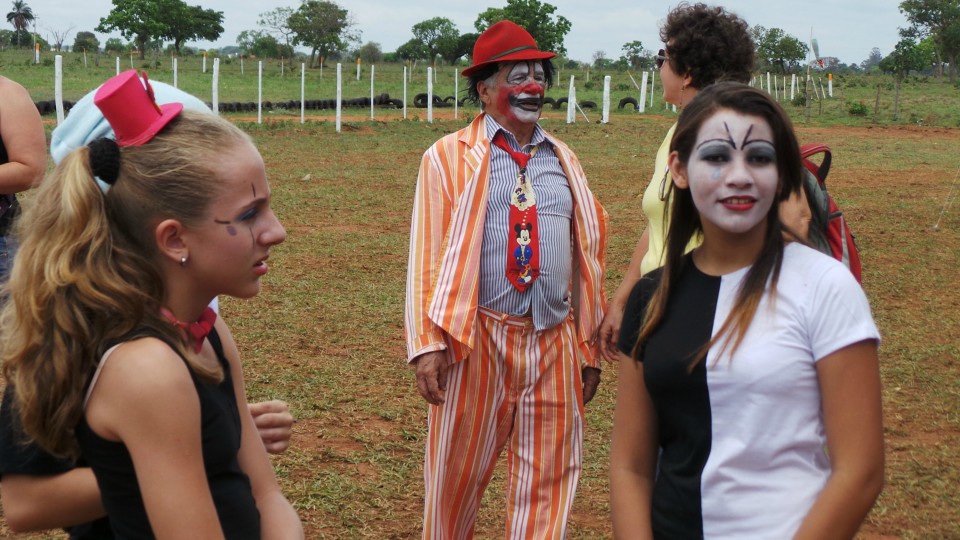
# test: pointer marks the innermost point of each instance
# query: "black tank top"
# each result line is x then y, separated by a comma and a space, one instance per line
230, 487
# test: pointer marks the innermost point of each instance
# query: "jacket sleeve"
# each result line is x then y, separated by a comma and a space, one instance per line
428, 226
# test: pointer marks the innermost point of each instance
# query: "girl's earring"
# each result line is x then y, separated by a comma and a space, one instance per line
663, 186
183, 260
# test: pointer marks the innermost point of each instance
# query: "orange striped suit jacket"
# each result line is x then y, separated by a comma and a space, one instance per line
443, 270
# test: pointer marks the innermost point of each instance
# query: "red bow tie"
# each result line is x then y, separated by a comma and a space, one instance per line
196, 330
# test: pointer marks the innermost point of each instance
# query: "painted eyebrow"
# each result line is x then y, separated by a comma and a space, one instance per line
729, 140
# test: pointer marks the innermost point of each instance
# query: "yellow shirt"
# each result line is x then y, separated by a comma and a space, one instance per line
657, 211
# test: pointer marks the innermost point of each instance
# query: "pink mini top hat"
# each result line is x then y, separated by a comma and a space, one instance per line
129, 106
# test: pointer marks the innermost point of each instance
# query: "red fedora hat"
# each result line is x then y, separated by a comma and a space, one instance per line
129, 107
504, 41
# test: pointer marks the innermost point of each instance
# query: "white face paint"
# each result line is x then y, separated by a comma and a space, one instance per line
732, 172
520, 94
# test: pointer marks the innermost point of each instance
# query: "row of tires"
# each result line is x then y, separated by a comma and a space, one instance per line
420, 101
383, 100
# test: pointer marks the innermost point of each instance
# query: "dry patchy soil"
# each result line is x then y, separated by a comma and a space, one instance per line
326, 332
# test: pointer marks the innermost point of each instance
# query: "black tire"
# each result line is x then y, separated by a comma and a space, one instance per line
588, 105
560, 103
420, 101
628, 101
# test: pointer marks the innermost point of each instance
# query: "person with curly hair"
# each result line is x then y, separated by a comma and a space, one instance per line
702, 45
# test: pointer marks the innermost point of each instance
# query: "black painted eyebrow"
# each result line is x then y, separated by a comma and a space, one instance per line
747, 136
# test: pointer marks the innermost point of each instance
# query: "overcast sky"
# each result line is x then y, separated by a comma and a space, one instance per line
846, 29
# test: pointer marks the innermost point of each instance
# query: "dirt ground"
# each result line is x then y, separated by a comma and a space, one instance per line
894, 185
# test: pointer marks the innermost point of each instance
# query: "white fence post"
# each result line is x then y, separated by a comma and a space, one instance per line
215, 99
571, 102
605, 117
642, 104
339, 94
303, 91
58, 86
260, 91
430, 95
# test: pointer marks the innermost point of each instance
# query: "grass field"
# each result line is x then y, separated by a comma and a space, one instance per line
924, 101
326, 332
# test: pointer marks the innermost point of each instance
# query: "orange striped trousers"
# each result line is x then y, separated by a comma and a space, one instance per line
519, 390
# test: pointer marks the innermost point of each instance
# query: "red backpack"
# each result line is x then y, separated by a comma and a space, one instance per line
829, 231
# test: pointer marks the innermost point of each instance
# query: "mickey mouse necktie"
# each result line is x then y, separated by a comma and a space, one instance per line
523, 246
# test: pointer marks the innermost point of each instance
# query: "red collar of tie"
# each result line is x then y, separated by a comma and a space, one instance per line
197, 331
520, 157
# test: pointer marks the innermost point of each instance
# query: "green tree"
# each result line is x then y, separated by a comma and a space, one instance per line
277, 23
906, 57
371, 53
86, 41
138, 20
412, 50
438, 35
939, 19
464, 47
20, 17
777, 50
872, 60
147, 21
536, 17
115, 45
633, 54
187, 23
323, 26
260, 44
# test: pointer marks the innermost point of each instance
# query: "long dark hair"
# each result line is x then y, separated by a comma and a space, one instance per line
685, 218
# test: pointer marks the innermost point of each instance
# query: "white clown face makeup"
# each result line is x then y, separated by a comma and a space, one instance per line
518, 92
732, 172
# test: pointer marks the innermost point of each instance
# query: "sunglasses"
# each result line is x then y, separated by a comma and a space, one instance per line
660, 58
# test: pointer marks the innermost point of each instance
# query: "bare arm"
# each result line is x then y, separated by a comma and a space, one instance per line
278, 519
633, 454
850, 389
132, 403
35, 503
22, 133
610, 326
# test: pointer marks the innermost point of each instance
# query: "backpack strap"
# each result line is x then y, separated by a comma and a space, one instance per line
820, 171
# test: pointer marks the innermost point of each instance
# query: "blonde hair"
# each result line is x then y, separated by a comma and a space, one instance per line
85, 276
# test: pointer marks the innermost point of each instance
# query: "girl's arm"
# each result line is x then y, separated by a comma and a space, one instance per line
21, 131
35, 502
146, 398
278, 519
613, 318
633, 453
850, 392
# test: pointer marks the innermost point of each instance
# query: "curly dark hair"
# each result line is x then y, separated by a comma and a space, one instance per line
709, 43
485, 72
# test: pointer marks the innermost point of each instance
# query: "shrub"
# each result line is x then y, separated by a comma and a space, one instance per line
858, 109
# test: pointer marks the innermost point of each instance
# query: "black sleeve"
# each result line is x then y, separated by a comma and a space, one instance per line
18, 456
635, 308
